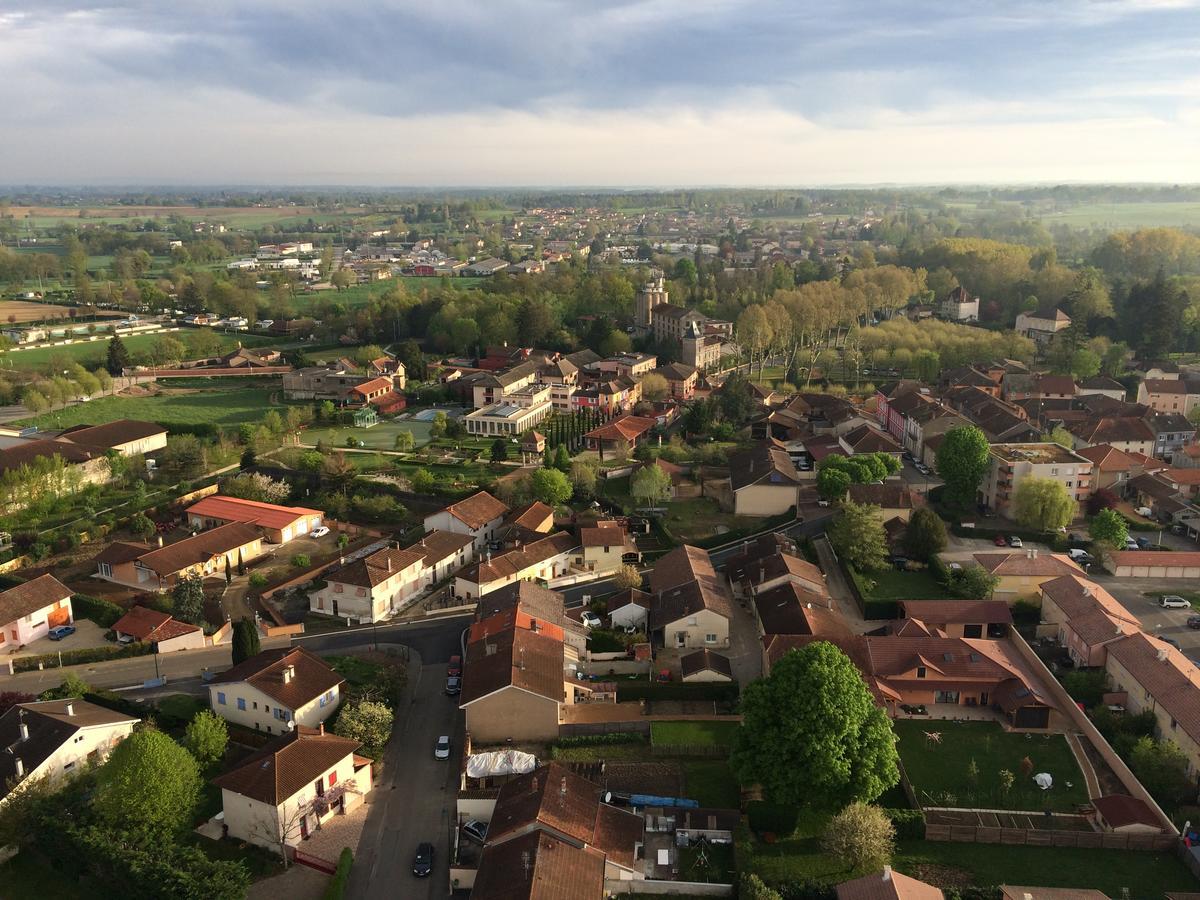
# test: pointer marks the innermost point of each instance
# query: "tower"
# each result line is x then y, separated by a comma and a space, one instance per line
652, 294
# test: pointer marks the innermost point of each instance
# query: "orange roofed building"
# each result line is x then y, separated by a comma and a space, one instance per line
279, 523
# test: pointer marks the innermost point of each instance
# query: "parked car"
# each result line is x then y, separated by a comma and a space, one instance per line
1166, 640
1078, 555
454, 667
61, 631
590, 620
822, 503
999, 541
475, 830
1143, 543
1145, 512
453, 686
1193, 622
1015, 541
1173, 601
423, 861
319, 532
1130, 544
442, 749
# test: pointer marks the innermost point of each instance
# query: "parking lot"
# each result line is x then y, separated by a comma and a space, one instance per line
1170, 623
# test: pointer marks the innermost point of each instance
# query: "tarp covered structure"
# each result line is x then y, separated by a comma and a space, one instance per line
500, 762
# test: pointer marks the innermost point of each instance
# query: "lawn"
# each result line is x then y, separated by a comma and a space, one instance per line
361, 294
378, 437
91, 354
938, 772
721, 734
1127, 215
711, 784
893, 585
27, 876
172, 407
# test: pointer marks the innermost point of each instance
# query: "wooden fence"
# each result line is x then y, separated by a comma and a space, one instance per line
717, 750
1049, 837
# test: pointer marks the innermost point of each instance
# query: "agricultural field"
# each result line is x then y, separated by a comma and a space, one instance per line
235, 216
170, 407
92, 353
361, 294
18, 312
1127, 215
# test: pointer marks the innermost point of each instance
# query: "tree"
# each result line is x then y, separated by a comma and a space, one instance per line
1109, 526
857, 535
832, 483
437, 428
499, 450
973, 582
752, 888
627, 578
550, 486
249, 458
925, 536
118, 356
205, 738
650, 484
1059, 435
404, 442
655, 387
583, 478
35, 401
812, 734
422, 481
9, 699
1085, 363
228, 571
187, 599
1163, 769
962, 461
1043, 504
342, 279
367, 721
142, 526
246, 640
72, 686
861, 836
149, 786
562, 459
1007, 780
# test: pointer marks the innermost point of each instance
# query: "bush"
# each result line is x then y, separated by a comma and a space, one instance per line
909, 823
1026, 612
84, 655
778, 819
643, 690
336, 888
301, 561
860, 835
103, 612
258, 580
602, 740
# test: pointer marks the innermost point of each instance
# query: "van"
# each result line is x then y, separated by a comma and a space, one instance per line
1078, 555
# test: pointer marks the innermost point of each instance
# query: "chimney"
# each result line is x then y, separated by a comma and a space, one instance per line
562, 788
20, 767
887, 873
320, 728
70, 708
160, 540
1162, 654
525, 863
24, 731
289, 672
389, 564
1033, 553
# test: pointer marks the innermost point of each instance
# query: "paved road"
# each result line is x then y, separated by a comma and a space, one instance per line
838, 589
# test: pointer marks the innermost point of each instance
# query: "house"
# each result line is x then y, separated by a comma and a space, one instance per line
1023, 573
606, 545
533, 444
124, 436
281, 794
479, 516
620, 435
537, 866
1089, 618
894, 499
86, 465
692, 606
275, 690
629, 609
1042, 327
792, 609
868, 439
531, 599
990, 619
370, 588
442, 553
887, 885
1172, 432
1103, 386
484, 268
1151, 564
763, 481
959, 306
207, 554
54, 739
279, 523
1111, 467
1009, 464
545, 559
535, 517
705, 666
1132, 434
159, 628
28, 611
1169, 394
336, 383
513, 678
682, 379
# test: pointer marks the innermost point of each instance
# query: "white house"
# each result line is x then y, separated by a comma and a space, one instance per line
371, 588
54, 739
276, 690
28, 611
480, 516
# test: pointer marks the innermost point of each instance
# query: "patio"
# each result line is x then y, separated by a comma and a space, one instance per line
954, 712
339, 831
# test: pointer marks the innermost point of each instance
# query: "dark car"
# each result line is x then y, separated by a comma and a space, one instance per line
1193, 622
423, 861
61, 631
1143, 543
453, 685
455, 666
999, 540
476, 830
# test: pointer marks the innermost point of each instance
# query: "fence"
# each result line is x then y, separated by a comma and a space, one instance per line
639, 726
1036, 837
669, 888
313, 862
718, 750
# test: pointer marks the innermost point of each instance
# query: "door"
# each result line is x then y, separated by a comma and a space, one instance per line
681, 639
983, 698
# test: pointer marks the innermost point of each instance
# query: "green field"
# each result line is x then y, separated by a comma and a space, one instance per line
361, 294
722, 734
195, 407
91, 354
938, 772
379, 437
1127, 215
711, 784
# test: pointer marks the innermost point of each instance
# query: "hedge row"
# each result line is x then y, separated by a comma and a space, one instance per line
336, 889
602, 740
909, 823
642, 690
85, 655
103, 612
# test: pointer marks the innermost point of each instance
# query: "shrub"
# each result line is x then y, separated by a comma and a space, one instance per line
83, 655
602, 740
776, 818
909, 823
860, 836
258, 580
103, 612
336, 888
301, 561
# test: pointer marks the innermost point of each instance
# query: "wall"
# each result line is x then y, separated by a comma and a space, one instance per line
707, 622
687, 888
764, 500
101, 738
263, 718
513, 713
1136, 701
1048, 838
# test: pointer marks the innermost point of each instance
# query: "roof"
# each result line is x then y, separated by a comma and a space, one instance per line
704, 661
266, 672
235, 509
375, 384
1171, 678
538, 866
1187, 558
26, 452
1121, 809
890, 495
533, 599
49, 728
113, 434
1165, 386
376, 568
477, 510
1054, 384
887, 885
199, 549
1102, 383
506, 651
146, 624
685, 582
287, 765
1107, 458
439, 545
603, 534
122, 552
775, 566
868, 439
1027, 562
626, 428
677, 371
763, 464
508, 564
790, 609
965, 612
1107, 429
1093, 613
1018, 892
551, 796
26, 599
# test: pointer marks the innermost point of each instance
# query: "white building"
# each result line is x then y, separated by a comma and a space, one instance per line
479, 516
276, 690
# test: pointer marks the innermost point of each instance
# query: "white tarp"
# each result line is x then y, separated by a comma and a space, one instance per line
500, 762
1044, 781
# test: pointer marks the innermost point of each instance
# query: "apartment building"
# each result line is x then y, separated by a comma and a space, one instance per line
1012, 463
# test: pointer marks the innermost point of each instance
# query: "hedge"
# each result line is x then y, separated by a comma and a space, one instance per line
103, 612
336, 888
114, 701
602, 740
909, 823
776, 818
643, 690
85, 655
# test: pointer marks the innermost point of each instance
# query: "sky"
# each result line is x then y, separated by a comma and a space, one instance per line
621, 93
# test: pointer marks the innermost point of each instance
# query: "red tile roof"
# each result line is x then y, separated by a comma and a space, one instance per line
287, 765
267, 671
146, 624
26, 599
1021, 563
538, 866
1171, 678
235, 509
1156, 558
477, 510
626, 428
1120, 810
374, 385
887, 885
199, 549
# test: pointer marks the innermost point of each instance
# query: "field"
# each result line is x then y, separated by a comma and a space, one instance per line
1126, 215
169, 408
380, 437
91, 354
361, 294
722, 734
237, 216
938, 772
18, 312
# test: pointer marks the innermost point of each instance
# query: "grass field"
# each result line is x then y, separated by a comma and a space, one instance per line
379, 437
173, 407
361, 294
723, 734
91, 354
238, 216
893, 585
938, 772
711, 784
1127, 215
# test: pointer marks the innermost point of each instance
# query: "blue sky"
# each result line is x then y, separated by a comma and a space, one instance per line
562, 92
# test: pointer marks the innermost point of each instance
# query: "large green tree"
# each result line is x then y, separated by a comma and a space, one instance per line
187, 599
650, 485
812, 734
149, 786
857, 535
206, 737
1110, 527
246, 640
550, 486
1043, 503
367, 721
962, 461
118, 356
925, 536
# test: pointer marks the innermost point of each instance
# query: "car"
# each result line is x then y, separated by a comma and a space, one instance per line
1143, 543
1193, 622
822, 503
999, 541
442, 749
454, 667
319, 532
1173, 601
423, 860
1166, 640
1078, 555
1145, 512
475, 830
1015, 541
955, 567
1130, 544
453, 686
590, 620
59, 632
1177, 529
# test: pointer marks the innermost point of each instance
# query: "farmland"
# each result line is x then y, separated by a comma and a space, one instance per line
361, 294
236, 216
18, 312
172, 407
1126, 215
91, 354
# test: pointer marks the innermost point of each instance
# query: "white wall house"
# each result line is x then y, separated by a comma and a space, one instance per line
277, 689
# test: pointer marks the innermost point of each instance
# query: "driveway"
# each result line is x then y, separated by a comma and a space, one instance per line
87, 634
745, 649
843, 597
917, 482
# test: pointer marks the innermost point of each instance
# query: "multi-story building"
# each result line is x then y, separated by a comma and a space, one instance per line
1042, 327
959, 306
652, 294
276, 690
519, 410
1011, 463
1175, 395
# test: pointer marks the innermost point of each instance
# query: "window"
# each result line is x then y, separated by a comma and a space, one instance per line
972, 631
106, 570
692, 620
282, 714
221, 698
242, 703
337, 588
920, 671
256, 704
710, 639
332, 778
67, 767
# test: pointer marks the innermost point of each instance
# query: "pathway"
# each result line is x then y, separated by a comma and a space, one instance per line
1085, 766
838, 589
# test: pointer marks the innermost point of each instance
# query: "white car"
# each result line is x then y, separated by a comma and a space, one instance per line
590, 619
442, 750
1131, 544
1173, 601
1145, 511
319, 532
